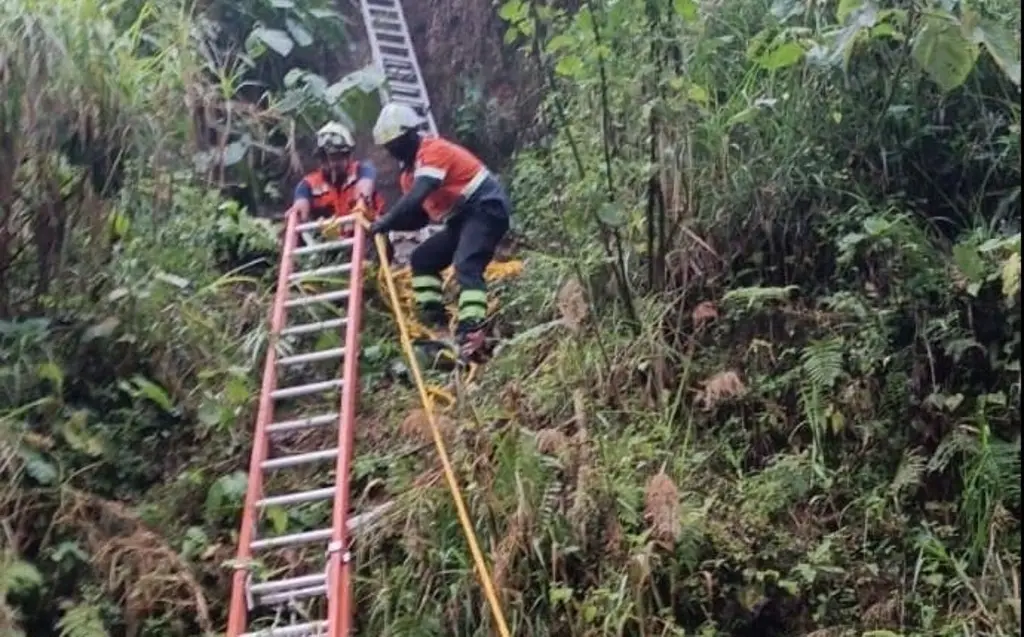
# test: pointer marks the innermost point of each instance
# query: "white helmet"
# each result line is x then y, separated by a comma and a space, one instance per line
334, 137
394, 120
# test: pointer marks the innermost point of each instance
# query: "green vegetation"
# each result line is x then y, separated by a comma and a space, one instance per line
766, 372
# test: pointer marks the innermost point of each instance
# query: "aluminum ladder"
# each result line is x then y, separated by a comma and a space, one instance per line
395, 57
311, 603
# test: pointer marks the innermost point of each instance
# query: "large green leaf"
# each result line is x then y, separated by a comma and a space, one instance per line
569, 66
299, 33
686, 9
1000, 44
941, 49
1010, 274
779, 57
612, 215
275, 39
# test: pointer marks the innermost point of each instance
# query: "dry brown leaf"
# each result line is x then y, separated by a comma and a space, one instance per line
720, 387
704, 313
572, 304
416, 426
551, 441
509, 548
614, 538
661, 508
883, 614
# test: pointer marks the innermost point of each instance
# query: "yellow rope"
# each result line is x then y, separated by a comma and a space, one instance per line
449, 473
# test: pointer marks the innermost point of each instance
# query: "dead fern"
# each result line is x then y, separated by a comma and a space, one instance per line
141, 570
583, 508
661, 509
511, 546
719, 388
572, 304
614, 542
883, 614
910, 473
416, 426
704, 313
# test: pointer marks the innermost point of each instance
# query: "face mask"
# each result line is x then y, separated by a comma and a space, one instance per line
404, 148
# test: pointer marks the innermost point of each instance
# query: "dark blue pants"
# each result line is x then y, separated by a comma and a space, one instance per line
468, 241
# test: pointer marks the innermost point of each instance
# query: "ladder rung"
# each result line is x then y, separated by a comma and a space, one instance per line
337, 295
316, 224
380, 21
309, 328
324, 247
293, 539
305, 390
396, 51
418, 104
278, 585
312, 357
307, 537
402, 85
389, 38
309, 629
302, 423
297, 459
297, 497
394, 70
274, 599
402, 63
404, 77
415, 92
325, 271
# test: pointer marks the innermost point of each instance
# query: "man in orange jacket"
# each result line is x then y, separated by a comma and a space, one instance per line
339, 183
443, 182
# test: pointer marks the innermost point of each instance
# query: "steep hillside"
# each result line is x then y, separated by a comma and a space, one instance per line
766, 373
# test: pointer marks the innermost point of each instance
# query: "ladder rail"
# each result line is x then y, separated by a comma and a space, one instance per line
238, 610
339, 561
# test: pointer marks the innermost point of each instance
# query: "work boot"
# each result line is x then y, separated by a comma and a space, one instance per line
438, 348
434, 317
472, 344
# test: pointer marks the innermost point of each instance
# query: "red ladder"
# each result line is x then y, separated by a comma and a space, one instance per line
334, 584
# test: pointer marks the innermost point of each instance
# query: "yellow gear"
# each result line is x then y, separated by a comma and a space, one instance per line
403, 281
332, 229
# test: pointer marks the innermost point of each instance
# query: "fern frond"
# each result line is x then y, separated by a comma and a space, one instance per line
908, 475
958, 441
822, 362
82, 620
